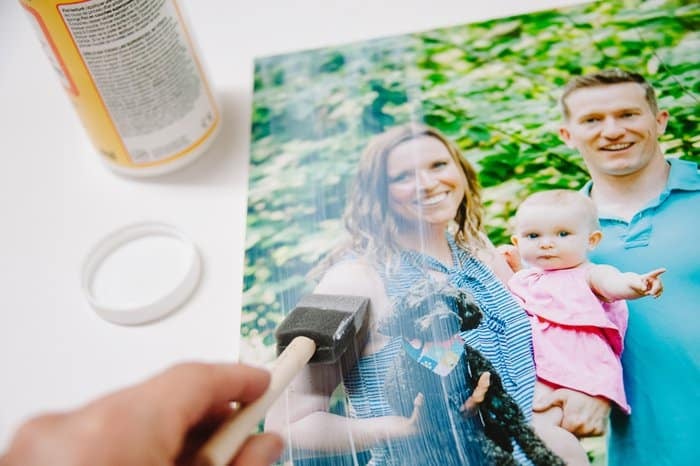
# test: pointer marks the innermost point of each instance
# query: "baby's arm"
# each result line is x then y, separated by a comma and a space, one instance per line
611, 284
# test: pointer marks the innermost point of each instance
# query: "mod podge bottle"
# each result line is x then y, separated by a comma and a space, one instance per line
132, 72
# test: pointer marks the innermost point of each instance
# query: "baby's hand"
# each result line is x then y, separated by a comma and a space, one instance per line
650, 284
511, 255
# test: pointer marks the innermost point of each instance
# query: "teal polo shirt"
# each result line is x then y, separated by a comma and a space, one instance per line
661, 359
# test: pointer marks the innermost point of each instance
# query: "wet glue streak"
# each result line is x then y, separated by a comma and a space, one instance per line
132, 73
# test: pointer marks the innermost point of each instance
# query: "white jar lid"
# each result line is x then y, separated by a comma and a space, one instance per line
140, 273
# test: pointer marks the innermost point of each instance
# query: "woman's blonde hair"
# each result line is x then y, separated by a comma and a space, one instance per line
368, 217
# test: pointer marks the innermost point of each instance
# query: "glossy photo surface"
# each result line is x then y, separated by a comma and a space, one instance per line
392, 167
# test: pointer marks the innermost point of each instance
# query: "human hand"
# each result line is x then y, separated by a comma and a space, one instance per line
511, 255
583, 415
478, 394
392, 427
649, 284
417, 405
162, 421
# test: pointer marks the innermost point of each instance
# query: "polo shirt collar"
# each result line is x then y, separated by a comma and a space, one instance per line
683, 176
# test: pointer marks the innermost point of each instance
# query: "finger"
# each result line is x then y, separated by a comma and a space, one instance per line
655, 288
193, 390
582, 425
37, 439
511, 256
659, 292
479, 393
482, 387
259, 450
574, 425
417, 403
198, 435
544, 402
601, 429
506, 249
593, 432
581, 429
572, 419
655, 273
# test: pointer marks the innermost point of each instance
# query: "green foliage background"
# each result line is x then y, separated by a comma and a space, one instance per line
492, 87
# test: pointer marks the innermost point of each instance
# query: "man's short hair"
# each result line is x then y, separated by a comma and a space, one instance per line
604, 78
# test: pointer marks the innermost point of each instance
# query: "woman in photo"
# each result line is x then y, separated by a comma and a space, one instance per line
414, 214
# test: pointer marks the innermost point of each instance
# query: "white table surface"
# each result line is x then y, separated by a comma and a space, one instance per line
57, 199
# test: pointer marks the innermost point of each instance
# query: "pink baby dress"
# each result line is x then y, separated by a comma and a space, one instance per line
577, 338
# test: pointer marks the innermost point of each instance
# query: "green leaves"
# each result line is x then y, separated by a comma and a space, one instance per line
492, 87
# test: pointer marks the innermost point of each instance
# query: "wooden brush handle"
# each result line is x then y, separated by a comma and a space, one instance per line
223, 445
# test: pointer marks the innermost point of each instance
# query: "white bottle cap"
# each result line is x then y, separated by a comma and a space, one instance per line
140, 273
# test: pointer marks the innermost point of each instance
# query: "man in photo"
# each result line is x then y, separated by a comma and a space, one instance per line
648, 210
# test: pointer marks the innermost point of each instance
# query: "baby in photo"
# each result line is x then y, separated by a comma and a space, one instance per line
577, 309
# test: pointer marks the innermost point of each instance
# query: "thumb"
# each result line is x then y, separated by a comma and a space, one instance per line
479, 393
417, 405
197, 389
548, 400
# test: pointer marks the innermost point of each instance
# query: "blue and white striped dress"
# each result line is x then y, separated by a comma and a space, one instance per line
503, 336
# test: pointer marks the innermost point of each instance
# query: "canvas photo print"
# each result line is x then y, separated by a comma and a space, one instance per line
506, 209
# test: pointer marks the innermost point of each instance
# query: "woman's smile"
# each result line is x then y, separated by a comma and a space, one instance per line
425, 183
428, 201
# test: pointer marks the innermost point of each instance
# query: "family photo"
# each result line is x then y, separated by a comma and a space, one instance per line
517, 199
